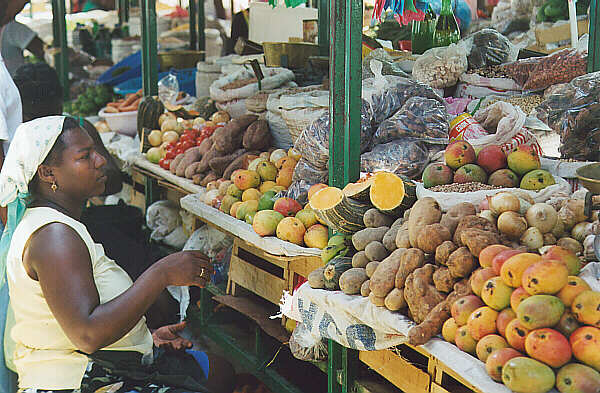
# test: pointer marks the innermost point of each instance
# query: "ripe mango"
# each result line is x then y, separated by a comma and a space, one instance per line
540, 311
525, 375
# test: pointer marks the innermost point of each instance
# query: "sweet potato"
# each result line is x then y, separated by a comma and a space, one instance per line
205, 146
470, 222
432, 324
352, 279
424, 212
197, 178
361, 239
376, 300
431, 236
373, 218
451, 219
175, 163
382, 280
389, 240
443, 280
443, 252
370, 268
365, 290
189, 157
461, 263
394, 300
402, 238
410, 260
211, 176
219, 164
375, 251
238, 163
476, 240
360, 259
229, 138
316, 279
205, 161
257, 136
190, 171
420, 293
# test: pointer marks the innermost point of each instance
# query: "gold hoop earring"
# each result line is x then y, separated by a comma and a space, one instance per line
54, 187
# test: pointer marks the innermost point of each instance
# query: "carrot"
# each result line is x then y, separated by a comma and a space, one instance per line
113, 104
132, 107
129, 99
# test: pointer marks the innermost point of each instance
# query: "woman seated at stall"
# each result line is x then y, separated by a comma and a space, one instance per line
78, 318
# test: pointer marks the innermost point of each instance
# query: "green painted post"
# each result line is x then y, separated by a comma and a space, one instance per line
149, 50
594, 42
61, 60
323, 8
334, 362
123, 12
193, 30
201, 26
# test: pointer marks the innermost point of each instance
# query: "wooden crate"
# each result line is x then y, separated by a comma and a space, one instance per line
408, 368
445, 380
300, 268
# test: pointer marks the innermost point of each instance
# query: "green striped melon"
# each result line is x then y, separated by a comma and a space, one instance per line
337, 211
392, 194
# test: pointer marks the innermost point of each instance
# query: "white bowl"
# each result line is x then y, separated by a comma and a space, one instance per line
121, 123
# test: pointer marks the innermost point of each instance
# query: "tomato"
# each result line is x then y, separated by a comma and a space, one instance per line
164, 163
194, 133
200, 140
187, 144
186, 137
170, 154
179, 144
178, 151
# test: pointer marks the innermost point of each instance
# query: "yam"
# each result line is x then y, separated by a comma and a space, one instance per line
197, 178
229, 138
433, 322
189, 157
207, 158
370, 268
443, 280
316, 279
373, 218
394, 300
424, 212
190, 171
362, 238
365, 290
420, 293
443, 251
472, 222
257, 136
175, 163
402, 239
375, 251
360, 259
411, 259
451, 219
476, 240
211, 176
389, 240
431, 236
377, 301
238, 163
461, 263
398, 223
382, 280
352, 279
205, 146
219, 164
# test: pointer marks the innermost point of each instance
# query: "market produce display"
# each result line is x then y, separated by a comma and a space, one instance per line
89, 102
128, 104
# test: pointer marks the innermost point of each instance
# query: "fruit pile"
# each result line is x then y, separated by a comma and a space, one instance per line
90, 101
252, 195
530, 316
520, 168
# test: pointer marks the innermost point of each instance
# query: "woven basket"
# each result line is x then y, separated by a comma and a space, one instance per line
298, 119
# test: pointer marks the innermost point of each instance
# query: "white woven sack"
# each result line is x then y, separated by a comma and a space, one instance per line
273, 78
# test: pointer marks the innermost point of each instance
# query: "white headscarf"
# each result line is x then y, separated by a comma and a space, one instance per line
28, 150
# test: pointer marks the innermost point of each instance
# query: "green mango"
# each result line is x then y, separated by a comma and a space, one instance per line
249, 218
267, 201
330, 252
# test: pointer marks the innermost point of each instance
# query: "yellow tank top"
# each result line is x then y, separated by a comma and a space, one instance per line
43, 355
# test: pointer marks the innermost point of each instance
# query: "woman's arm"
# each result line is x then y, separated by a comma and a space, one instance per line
59, 259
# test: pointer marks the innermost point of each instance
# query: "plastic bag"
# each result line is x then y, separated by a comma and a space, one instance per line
304, 346
162, 217
488, 47
573, 111
168, 89
421, 118
456, 106
214, 244
441, 67
387, 62
406, 157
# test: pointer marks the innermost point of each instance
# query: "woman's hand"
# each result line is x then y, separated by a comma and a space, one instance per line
187, 268
167, 337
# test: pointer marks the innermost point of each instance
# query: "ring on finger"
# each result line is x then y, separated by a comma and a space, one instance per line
202, 272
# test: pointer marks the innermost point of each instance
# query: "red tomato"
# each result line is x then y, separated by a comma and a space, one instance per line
179, 144
200, 140
187, 144
185, 137
161, 163
178, 151
170, 154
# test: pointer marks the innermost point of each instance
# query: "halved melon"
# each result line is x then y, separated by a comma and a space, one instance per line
359, 190
392, 194
337, 211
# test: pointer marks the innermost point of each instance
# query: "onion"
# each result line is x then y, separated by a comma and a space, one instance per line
523, 206
544, 249
570, 244
522, 194
542, 216
484, 205
533, 239
559, 229
588, 248
504, 202
488, 215
572, 212
512, 224
549, 239
581, 231
210, 195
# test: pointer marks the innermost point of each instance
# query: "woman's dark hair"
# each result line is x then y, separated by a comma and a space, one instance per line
40, 89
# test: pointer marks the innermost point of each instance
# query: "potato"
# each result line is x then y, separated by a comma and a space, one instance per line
190, 171
175, 163
451, 219
370, 268
352, 279
476, 240
316, 279
382, 280
395, 301
461, 263
189, 157
361, 239
431, 236
389, 240
443, 280
360, 259
365, 290
377, 301
472, 222
443, 251
410, 260
373, 218
398, 223
424, 212
402, 239
375, 251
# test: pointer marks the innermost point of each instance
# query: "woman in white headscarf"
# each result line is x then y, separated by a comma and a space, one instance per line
78, 317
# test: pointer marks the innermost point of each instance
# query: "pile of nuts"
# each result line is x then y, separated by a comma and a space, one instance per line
490, 72
526, 103
440, 69
463, 187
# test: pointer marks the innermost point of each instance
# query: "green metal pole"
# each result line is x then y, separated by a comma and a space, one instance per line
201, 26
193, 30
149, 50
323, 8
594, 40
123, 11
61, 60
